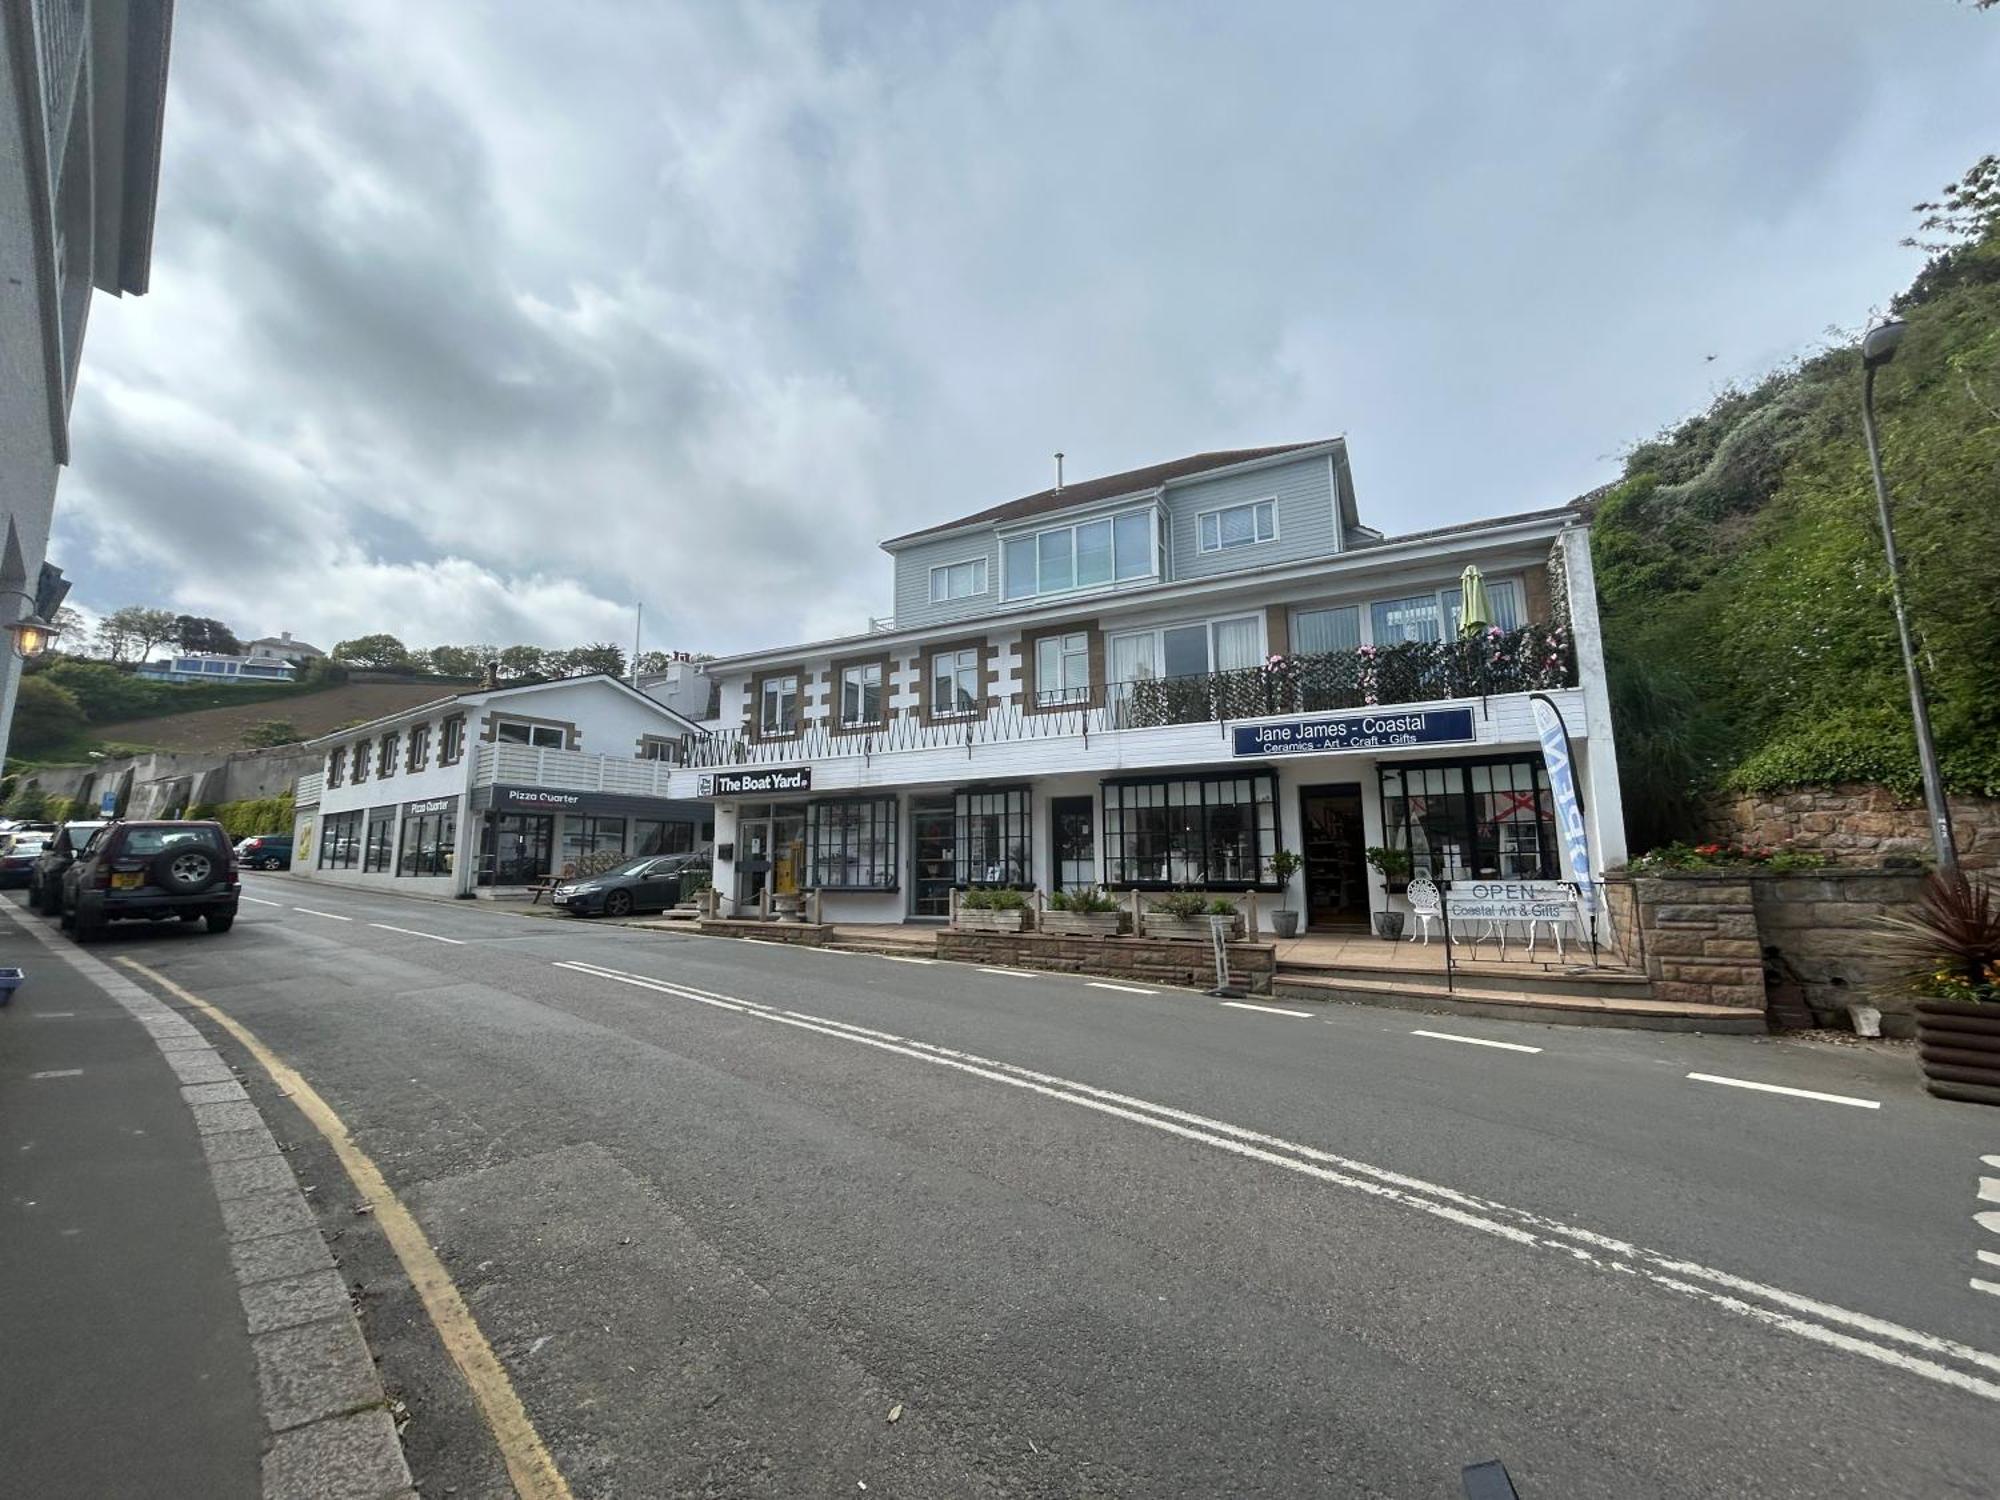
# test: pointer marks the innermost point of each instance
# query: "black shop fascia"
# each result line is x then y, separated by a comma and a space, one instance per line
554, 800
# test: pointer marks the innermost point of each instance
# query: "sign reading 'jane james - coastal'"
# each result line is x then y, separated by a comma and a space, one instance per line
1375, 730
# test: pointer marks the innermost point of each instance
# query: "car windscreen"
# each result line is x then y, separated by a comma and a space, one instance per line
140, 843
630, 867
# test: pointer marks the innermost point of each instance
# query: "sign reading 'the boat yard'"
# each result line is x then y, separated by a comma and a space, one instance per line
755, 783
1375, 730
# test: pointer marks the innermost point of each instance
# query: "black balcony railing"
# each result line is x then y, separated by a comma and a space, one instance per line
1500, 661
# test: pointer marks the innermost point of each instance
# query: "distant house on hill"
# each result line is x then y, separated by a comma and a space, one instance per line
281, 648
202, 666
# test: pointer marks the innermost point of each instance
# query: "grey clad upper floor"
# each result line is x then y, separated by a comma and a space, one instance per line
1197, 517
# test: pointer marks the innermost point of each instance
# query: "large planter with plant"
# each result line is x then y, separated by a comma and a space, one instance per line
1284, 865
1185, 915
1953, 934
1089, 912
991, 911
1393, 865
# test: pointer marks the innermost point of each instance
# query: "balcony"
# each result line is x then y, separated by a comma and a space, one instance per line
1531, 658
570, 770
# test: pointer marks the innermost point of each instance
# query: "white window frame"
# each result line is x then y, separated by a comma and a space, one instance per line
958, 664
1058, 687
1153, 567
532, 742
1360, 622
978, 567
764, 700
859, 672
1510, 582
1257, 539
1158, 634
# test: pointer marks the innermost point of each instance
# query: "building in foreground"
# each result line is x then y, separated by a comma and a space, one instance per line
1157, 679
82, 89
493, 789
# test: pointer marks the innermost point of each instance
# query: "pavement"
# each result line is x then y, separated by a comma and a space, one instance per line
749, 1219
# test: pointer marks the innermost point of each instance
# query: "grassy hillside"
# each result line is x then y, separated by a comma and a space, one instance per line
1745, 597
310, 712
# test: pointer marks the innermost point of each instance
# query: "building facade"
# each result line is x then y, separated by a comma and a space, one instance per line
82, 87
492, 790
1157, 680
281, 647
201, 666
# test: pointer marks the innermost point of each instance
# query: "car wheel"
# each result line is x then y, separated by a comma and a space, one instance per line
221, 921
618, 904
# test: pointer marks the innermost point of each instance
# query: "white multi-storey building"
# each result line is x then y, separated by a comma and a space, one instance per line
1156, 680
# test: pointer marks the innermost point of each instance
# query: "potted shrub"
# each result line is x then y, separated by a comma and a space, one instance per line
1185, 914
1088, 911
992, 910
1284, 865
1952, 939
1393, 865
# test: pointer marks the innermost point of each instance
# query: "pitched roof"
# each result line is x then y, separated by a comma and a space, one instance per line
482, 696
1132, 481
288, 645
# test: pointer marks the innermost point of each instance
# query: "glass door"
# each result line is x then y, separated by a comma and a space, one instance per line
1334, 845
1073, 837
753, 862
933, 855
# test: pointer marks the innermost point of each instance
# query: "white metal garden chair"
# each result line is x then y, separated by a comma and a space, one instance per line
1425, 904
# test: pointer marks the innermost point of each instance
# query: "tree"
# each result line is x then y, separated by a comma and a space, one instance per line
71, 628
1968, 210
26, 802
45, 715
382, 651
114, 637
457, 661
598, 656
267, 732
142, 629
524, 661
201, 633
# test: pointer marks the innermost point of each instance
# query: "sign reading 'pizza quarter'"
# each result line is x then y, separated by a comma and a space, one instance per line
755, 783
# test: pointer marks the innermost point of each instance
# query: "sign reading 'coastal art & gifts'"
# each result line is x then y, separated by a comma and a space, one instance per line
1375, 730
1510, 901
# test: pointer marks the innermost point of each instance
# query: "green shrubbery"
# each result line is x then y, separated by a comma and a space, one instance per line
1087, 898
992, 899
253, 815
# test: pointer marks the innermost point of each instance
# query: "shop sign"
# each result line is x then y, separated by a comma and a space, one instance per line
1510, 901
1571, 830
1383, 729
435, 805
535, 797
754, 783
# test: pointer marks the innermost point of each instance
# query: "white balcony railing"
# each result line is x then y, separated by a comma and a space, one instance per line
306, 792
569, 770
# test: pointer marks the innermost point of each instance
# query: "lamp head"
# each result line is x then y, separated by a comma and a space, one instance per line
1879, 344
32, 636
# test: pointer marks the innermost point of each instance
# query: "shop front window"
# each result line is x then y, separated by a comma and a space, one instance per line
992, 846
584, 837
515, 848
1191, 831
1464, 821
655, 836
340, 840
430, 840
851, 844
379, 844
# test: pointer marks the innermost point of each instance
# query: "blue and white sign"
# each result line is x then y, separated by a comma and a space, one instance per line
107, 805
1377, 729
1571, 831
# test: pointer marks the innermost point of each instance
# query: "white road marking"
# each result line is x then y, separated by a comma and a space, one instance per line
1991, 1161
1990, 1257
260, 901
1992, 1287
58, 1073
1989, 1190
1129, 989
1988, 1220
331, 916
1270, 1010
1013, 973
1786, 1311
412, 932
51, 1015
1778, 1088
899, 958
1474, 1041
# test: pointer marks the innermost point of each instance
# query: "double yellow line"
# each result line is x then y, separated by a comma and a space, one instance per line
529, 1463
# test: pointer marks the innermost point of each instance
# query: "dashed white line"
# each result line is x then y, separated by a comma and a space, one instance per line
1270, 1010
899, 958
1129, 989
1992, 1287
51, 1015
412, 932
1778, 1088
1475, 1041
1012, 973
1989, 1190
331, 916
1990, 1257
259, 901
58, 1073
1991, 1161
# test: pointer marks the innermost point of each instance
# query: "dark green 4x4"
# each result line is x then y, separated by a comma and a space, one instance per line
153, 872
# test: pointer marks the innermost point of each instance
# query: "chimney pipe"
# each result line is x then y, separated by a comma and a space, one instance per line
1059, 459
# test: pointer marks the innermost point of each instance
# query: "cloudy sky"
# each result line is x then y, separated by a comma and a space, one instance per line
480, 322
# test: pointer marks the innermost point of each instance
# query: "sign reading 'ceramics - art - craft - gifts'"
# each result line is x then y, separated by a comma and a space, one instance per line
1376, 730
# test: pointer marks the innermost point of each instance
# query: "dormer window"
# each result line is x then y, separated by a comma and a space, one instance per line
1234, 526
1089, 554
961, 580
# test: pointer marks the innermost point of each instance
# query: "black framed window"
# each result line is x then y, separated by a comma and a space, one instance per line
378, 847
655, 836
994, 844
1214, 831
430, 841
340, 840
1463, 820
586, 836
851, 844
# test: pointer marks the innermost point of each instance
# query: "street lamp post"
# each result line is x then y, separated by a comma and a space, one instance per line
1878, 347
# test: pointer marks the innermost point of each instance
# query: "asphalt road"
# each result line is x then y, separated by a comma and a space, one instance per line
721, 1208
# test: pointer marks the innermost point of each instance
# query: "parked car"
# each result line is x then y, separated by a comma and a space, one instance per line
18, 853
650, 883
265, 851
45, 878
152, 871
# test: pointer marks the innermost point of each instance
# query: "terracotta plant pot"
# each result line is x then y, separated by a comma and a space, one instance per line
1958, 1044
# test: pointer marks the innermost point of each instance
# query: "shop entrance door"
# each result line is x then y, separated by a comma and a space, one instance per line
753, 859
933, 855
1073, 838
1336, 856
515, 848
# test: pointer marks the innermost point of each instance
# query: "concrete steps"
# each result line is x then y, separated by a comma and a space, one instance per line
1428, 995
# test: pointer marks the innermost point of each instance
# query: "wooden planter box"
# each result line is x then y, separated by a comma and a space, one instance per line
1195, 929
990, 921
1958, 1043
1081, 923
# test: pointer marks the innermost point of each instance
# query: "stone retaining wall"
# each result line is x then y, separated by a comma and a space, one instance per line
1818, 932
1156, 960
1852, 823
805, 934
1695, 934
